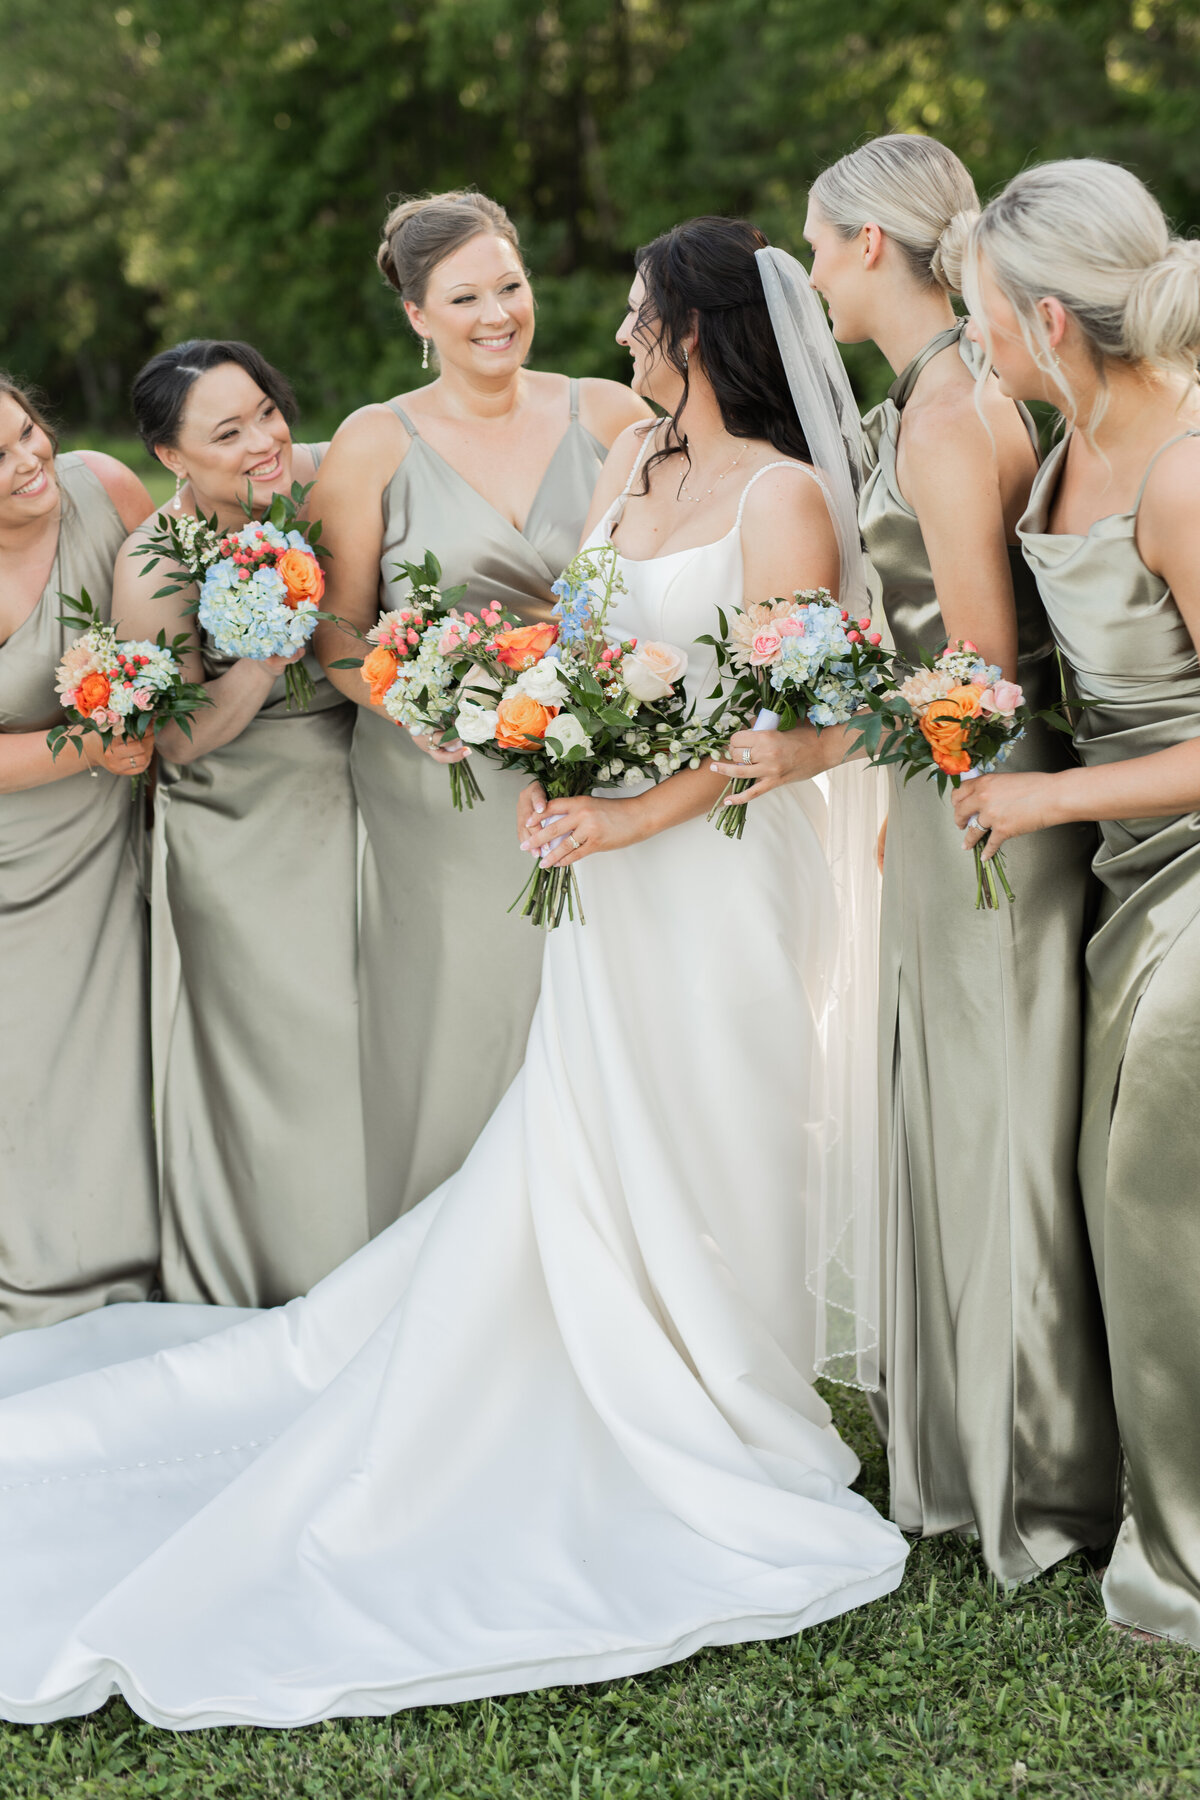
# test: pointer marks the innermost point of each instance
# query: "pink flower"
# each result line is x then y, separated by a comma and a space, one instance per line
854, 637
1003, 699
972, 649
875, 637
143, 699
865, 624
765, 647
790, 628
449, 641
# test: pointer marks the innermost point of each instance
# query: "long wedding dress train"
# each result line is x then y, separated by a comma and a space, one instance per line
554, 1425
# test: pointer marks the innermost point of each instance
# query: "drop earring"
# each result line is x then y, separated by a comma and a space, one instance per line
424, 353
685, 356
178, 487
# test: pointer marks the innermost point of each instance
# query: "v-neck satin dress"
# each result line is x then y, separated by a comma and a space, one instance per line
1136, 665
256, 1005
78, 1202
448, 977
996, 1402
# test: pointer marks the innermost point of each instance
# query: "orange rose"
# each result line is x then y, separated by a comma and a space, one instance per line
944, 728
521, 721
521, 648
379, 671
301, 575
93, 691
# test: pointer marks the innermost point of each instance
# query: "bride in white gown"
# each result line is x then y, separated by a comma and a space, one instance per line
556, 1424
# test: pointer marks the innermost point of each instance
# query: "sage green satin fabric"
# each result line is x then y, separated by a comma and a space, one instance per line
1135, 663
449, 978
256, 1006
995, 1402
78, 1203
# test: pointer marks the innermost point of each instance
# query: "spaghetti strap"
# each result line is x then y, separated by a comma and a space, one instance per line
574, 394
1169, 445
404, 418
648, 433
783, 463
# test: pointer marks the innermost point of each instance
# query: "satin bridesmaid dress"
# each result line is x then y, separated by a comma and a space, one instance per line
78, 1204
449, 978
256, 1005
1135, 664
996, 1404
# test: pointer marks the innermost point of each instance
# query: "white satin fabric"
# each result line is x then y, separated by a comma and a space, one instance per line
555, 1425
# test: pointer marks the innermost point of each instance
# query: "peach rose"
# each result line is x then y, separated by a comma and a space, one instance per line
520, 721
766, 647
651, 671
301, 575
92, 692
379, 671
944, 728
525, 645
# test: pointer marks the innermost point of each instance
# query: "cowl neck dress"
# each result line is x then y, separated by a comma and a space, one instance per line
448, 977
996, 1410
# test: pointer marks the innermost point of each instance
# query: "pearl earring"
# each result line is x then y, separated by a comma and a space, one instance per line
424, 353
178, 486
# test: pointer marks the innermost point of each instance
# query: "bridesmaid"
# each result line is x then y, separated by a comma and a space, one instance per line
80, 1223
1084, 299
995, 1399
256, 1022
491, 466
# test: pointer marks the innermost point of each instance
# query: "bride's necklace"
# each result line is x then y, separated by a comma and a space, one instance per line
696, 500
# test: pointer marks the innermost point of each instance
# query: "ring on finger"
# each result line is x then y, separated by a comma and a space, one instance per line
973, 823
574, 841
746, 758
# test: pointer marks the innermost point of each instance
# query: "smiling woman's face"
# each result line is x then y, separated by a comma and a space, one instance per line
478, 309
653, 376
231, 433
28, 488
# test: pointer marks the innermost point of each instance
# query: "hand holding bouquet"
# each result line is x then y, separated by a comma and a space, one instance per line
259, 587
953, 718
119, 688
802, 658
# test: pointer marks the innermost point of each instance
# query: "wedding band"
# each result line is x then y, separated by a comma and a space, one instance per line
973, 823
745, 755
574, 841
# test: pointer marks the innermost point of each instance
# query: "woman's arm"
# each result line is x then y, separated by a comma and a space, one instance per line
788, 543
237, 696
1157, 786
26, 762
366, 451
126, 490
607, 408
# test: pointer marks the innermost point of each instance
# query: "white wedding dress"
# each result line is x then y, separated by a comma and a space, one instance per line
556, 1424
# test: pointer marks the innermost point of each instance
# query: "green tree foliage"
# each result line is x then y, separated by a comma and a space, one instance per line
172, 168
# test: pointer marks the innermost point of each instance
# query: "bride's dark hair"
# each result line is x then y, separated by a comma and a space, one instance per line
702, 277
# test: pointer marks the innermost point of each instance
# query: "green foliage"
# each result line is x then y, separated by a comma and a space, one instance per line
196, 167
948, 1689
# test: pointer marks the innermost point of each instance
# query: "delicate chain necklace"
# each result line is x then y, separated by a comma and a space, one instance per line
720, 478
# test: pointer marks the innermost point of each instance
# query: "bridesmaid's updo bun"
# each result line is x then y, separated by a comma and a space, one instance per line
915, 190
160, 389
1091, 235
419, 234
12, 390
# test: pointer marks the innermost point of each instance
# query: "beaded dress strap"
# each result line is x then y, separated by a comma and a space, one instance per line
783, 463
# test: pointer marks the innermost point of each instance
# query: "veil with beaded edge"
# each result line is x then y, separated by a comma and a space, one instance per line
842, 1176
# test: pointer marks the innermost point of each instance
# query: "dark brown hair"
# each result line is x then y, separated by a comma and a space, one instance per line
160, 389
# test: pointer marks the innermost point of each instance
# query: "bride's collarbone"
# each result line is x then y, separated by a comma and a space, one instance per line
661, 522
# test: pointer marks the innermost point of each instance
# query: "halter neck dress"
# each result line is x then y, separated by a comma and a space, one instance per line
1135, 664
80, 1208
996, 1407
448, 977
256, 1004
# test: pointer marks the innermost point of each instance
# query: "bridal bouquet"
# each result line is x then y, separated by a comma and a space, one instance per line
259, 587
802, 658
119, 687
576, 707
953, 718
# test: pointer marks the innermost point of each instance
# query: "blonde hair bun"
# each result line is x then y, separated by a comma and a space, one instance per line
1162, 313
946, 264
915, 189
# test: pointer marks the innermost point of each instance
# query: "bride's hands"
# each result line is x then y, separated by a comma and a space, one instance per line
776, 757
584, 826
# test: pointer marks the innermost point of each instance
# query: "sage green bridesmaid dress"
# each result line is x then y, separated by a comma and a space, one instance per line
449, 978
78, 1203
256, 1005
1135, 664
995, 1401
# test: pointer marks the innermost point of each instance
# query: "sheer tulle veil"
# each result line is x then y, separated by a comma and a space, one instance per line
842, 1177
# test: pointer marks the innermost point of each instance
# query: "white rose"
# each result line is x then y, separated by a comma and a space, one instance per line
651, 671
542, 684
475, 724
566, 733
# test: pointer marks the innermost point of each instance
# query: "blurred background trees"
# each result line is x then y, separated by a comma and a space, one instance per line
180, 168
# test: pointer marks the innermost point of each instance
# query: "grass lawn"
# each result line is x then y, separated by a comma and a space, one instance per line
947, 1688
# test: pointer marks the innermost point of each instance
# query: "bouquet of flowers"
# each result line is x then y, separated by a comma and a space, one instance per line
259, 587
418, 659
953, 718
802, 658
575, 707
119, 687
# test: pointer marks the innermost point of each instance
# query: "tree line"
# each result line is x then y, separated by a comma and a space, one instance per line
205, 168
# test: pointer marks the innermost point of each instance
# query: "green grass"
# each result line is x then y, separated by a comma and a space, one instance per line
949, 1688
